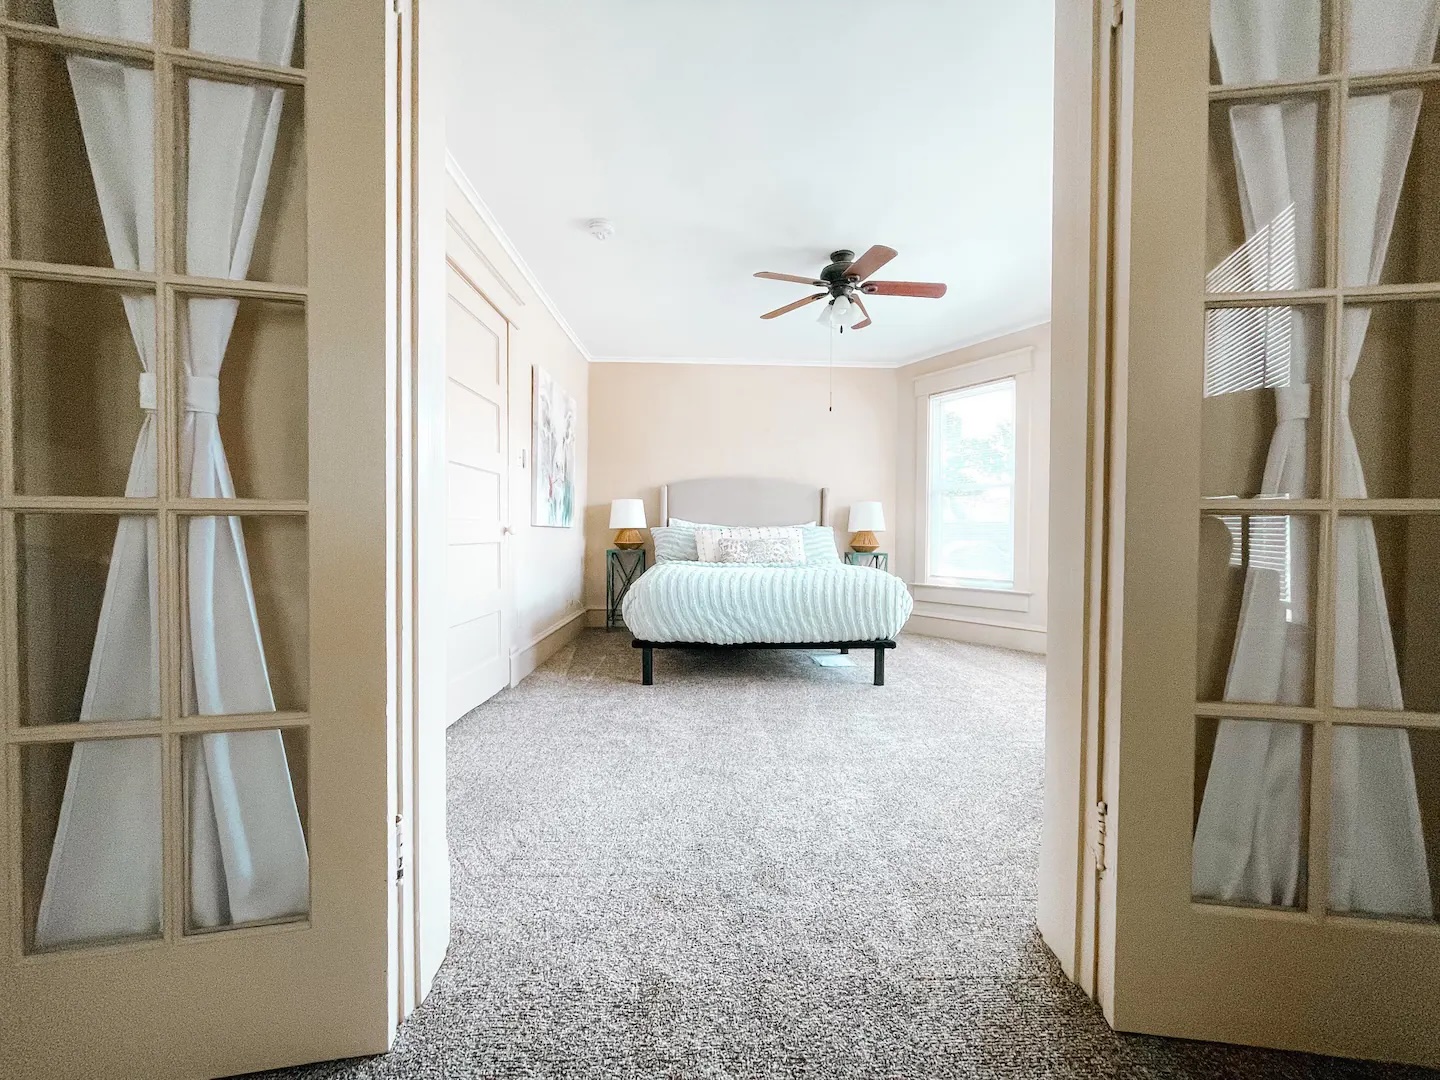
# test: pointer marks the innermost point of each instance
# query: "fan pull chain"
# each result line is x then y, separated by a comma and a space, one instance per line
832, 369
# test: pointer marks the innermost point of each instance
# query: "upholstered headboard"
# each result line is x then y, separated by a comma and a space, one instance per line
743, 500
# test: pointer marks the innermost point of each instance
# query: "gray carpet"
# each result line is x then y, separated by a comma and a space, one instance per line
763, 867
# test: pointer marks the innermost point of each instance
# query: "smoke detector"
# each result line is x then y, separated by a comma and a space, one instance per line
601, 228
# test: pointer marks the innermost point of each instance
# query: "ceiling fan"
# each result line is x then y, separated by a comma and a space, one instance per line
845, 280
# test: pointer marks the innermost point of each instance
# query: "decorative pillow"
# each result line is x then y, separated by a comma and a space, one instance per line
820, 545
674, 545
707, 539
734, 547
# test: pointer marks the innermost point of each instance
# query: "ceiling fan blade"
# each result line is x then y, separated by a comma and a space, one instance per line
871, 261
932, 289
789, 277
865, 321
792, 307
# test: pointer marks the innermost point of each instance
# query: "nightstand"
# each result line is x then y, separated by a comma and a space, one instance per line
880, 560
622, 567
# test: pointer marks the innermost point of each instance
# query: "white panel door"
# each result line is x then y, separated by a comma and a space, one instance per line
477, 570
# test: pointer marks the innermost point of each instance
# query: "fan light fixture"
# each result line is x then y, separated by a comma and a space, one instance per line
838, 312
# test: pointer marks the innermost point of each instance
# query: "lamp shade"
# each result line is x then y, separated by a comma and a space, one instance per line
627, 514
867, 517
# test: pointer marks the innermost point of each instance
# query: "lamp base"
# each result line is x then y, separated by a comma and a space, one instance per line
864, 541
629, 539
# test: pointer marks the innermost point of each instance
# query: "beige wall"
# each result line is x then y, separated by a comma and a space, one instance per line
1013, 629
655, 423
546, 563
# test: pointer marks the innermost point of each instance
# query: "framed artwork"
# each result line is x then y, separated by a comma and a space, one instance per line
552, 502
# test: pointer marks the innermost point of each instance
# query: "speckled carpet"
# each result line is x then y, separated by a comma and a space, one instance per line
761, 867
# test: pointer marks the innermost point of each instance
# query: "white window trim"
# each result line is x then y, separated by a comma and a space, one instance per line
1018, 364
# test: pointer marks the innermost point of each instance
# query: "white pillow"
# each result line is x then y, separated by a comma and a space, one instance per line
707, 539
770, 550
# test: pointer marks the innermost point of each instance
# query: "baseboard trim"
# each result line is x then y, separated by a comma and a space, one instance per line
1026, 639
544, 645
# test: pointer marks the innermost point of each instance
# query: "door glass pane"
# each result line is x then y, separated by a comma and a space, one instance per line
247, 815
1387, 612
972, 486
1389, 225
1392, 407
1385, 822
271, 33
1404, 38
243, 213
261, 395
80, 400
66, 114
1256, 630
1263, 368
125, 21
90, 854
1252, 779
1263, 41
83, 656
247, 615
1264, 224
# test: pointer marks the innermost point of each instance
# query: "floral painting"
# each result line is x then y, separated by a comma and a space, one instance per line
553, 501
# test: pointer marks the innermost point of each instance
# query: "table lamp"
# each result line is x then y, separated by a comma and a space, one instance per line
866, 519
628, 516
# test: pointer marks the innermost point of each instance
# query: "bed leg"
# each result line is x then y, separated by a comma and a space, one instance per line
647, 666
844, 652
879, 667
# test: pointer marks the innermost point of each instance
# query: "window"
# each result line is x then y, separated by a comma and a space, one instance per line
971, 488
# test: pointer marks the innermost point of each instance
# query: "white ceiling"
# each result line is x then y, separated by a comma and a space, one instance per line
722, 138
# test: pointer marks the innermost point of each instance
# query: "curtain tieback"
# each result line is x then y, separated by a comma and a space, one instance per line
202, 393
1292, 402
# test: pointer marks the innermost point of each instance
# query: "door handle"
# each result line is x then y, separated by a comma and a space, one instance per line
506, 530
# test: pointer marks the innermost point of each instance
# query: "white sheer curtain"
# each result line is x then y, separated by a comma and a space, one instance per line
1247, 838
247, 851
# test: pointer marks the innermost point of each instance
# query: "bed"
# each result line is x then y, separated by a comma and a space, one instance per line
821, 604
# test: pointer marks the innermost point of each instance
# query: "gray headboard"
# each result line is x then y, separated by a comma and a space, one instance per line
741, 500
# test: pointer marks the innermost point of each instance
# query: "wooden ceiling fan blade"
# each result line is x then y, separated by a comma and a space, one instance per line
933, 289
865, 321
872, 260
796, 304
789, 277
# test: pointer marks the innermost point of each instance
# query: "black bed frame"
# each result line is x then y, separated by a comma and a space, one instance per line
647, 651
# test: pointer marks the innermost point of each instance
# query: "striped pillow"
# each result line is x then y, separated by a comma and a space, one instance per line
820, 546
674, 544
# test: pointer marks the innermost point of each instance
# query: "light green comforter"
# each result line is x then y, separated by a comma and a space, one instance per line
726, 604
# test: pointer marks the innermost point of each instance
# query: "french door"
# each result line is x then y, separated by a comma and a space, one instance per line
1273, 737
196, 584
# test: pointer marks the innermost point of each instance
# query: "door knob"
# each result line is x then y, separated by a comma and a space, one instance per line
506, 530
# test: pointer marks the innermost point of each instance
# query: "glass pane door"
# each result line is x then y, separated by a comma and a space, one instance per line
173, 751
1275, 772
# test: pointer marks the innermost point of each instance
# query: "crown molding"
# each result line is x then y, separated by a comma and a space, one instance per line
467, 189
887, 365
721, 361
972, 341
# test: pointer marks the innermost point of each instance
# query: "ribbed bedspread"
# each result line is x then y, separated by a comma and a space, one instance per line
719, 604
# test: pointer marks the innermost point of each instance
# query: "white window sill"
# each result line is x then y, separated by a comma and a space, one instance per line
969, 596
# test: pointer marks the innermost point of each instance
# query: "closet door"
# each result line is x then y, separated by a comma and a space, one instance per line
477, 404
1274, 731
193, 546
